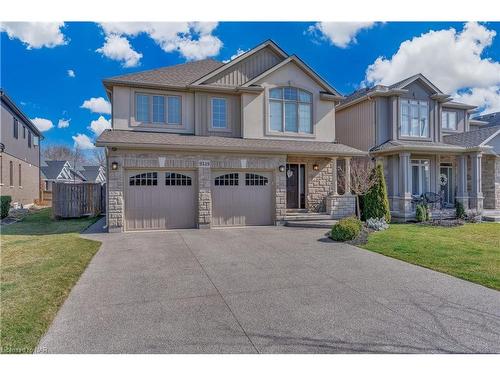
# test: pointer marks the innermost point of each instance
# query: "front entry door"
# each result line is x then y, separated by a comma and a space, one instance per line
295, 186
448, 196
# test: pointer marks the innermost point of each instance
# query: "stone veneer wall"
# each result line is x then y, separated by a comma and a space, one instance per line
319, 183
204, 163
491, 181
340, 206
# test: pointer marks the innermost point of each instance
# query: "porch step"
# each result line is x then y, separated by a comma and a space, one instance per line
493, 218
306, 216
326, 224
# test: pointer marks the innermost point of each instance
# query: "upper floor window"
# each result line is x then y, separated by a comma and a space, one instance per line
290, 110
158, 109
16, 128
142, 108
449, 120
35, 140
414, 118
219, 113
24, 131
29, 139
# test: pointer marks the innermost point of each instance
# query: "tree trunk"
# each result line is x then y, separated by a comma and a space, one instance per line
358, 209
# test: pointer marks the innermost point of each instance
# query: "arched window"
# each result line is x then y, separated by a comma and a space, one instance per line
144, 179
177, 179
290, 110
230, 179
252, 179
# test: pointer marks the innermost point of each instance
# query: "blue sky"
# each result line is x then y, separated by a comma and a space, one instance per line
35, 64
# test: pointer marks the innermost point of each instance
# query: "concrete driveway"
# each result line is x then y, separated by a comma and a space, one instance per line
265, 290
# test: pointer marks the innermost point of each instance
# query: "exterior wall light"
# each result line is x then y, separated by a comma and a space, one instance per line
114, 165
281, 168
316, 167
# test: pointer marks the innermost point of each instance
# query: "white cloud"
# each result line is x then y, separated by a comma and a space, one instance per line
99, 125
36, 34
193, 40
83, 142
487, 99
340, 34
450, 59
62, 123
71, 73
42, 124
118, 48
239, 52
97, 105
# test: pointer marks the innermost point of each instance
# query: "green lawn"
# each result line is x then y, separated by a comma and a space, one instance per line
470, 252
41, 260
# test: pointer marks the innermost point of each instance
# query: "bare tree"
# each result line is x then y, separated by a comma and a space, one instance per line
62, 152
362, 178
98, 156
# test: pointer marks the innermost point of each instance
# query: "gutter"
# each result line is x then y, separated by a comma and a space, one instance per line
372, 94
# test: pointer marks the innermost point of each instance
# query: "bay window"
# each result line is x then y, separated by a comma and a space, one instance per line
290, 110
449, 120
158, 109
420, 177
414, 118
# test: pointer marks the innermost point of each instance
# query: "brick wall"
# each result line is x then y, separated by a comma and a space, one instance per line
491, 181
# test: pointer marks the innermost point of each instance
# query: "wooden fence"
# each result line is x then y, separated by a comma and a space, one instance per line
78, 199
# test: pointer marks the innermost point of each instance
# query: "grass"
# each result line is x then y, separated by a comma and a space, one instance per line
41, 260
470, 252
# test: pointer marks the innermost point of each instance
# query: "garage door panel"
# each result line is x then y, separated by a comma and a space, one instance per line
167, 203
242, 200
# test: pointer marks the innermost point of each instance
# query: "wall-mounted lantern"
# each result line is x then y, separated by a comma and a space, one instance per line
114, 165
315, 167
281, 168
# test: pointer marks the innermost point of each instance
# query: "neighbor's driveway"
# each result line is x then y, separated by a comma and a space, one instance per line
266, 290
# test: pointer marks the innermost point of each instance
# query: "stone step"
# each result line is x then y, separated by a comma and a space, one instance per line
326, 224
493, 218
307, 217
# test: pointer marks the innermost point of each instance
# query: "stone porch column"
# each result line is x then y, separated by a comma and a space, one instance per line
476, 197
334, 176
462, 195
204, 194
405, 184
347, 176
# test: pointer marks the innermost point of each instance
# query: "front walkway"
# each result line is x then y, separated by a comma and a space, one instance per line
266, 290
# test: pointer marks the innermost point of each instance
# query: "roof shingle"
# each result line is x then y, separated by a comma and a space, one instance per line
472, 138
179, 75
223, 144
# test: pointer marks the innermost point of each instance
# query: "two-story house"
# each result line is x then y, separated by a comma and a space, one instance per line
412, 127
19, 154
207, 144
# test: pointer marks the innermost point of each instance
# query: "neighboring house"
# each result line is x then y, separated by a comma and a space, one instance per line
19, 154
490, 119
207, 144
93, 173
59, 171
409, 127
488, 138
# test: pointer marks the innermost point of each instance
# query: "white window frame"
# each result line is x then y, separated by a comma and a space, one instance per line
297, 102
219, 128
445, 120
151, 111
422, 164
419, 104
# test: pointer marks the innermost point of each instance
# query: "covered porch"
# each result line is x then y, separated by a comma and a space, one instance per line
452, 172
318, 187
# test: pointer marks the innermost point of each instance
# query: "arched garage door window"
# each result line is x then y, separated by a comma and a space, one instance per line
144, 179
177, 179
252, 179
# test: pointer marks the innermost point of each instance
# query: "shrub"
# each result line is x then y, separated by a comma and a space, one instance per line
346, 229
5, 205
376, 203
460, 210
377, 224
422, 213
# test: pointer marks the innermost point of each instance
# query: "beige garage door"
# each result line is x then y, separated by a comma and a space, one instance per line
160, 200
241, 198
